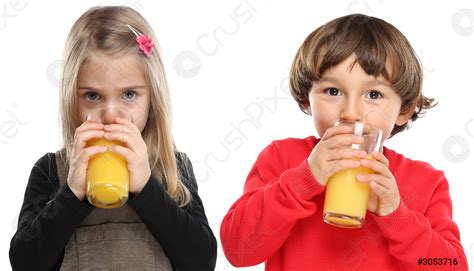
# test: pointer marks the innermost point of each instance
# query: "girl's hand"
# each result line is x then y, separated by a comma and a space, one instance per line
80, 156
135, 151
384, 196
334, 153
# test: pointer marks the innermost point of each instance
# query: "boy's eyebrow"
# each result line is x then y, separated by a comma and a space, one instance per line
381, 82
372, 82
328, 79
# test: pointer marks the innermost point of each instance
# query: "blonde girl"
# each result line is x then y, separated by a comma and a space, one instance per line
111, 59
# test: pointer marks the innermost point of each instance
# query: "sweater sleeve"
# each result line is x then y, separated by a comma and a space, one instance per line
274, 198
184, 233
48, 217
431, 235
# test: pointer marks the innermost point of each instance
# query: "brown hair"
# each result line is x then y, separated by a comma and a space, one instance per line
105, 30
376, 44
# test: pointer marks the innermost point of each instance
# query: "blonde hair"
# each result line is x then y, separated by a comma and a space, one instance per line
105, 30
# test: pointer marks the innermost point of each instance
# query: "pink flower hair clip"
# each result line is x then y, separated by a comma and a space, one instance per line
145, 44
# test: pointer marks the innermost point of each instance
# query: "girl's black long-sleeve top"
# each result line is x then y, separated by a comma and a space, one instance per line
50, 213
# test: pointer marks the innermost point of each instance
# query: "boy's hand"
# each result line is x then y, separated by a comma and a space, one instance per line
334, 153
384, 196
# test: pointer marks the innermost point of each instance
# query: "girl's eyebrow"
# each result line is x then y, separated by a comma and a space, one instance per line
134, 87
85, 88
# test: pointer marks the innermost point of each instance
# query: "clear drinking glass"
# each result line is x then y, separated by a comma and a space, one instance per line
107, 174
346, 199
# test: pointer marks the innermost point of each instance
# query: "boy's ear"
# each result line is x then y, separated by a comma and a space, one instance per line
307, 109
406, 115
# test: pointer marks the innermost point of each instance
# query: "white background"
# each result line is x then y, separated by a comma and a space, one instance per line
238, 77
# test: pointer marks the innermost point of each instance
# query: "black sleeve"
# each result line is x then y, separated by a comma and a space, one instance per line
47, 219
184, 233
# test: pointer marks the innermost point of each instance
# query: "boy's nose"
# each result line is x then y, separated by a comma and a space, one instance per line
351, 111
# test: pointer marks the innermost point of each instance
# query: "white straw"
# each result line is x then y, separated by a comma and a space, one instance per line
358, 130
378, 144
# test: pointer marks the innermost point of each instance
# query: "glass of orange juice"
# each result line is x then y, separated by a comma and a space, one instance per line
346, 199
107, 173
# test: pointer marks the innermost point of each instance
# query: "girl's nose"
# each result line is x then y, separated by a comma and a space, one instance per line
108, 115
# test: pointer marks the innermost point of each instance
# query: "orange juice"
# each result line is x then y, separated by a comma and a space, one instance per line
107, 177
346, 198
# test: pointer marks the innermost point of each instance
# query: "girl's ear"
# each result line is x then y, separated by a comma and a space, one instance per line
406, 115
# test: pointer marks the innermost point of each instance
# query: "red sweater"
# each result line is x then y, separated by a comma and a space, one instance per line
278, 219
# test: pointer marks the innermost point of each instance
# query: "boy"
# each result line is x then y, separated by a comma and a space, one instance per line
354, 68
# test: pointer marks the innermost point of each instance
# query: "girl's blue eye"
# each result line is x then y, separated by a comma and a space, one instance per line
374, 95
130, 94
92, 96
333, 92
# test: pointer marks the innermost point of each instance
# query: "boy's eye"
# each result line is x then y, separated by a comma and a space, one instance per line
129, 94
92, 96
333, 92
374, 95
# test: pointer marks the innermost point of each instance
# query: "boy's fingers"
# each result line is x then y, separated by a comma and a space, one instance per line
346, 153
330, 132
380, 180
380, 157
378, 189
336, 166
375, 165
343, 140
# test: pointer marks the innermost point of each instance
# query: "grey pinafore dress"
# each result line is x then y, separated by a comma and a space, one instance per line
110, 239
